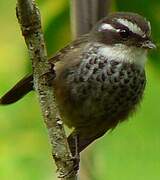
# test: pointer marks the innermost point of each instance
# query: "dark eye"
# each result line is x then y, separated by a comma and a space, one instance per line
124, 33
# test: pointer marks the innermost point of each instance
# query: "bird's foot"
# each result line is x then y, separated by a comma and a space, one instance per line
76, 155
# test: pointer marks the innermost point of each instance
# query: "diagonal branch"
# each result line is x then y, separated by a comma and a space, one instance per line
30, 22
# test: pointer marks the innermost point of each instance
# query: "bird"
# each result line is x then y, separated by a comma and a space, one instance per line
100, 77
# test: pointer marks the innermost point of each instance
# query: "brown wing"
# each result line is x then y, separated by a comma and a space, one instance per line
25, 85
70, 48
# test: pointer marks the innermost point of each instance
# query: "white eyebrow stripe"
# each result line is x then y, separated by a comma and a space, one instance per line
131, 26
149, 25
106, 26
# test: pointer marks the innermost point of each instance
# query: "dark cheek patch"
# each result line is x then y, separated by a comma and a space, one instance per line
110, 37
136, 40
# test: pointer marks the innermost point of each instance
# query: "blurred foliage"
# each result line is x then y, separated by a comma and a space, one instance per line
130, 152
57, 32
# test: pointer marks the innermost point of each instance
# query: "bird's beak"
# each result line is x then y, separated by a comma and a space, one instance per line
148, 44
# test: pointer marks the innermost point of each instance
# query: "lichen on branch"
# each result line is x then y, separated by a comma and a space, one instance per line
30, 22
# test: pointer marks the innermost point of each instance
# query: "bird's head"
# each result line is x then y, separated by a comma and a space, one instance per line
125, 28
128, 34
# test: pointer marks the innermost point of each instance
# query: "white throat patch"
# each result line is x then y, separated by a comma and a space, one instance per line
120, 52
131, 26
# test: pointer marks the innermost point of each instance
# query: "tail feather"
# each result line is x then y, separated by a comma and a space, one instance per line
23, 87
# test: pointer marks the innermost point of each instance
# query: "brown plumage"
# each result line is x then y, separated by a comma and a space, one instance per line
100, 77
94, 94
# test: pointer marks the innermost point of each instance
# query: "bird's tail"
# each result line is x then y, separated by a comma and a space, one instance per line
23, 87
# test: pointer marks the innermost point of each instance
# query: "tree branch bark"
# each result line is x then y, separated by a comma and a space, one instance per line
85, 13
29, 19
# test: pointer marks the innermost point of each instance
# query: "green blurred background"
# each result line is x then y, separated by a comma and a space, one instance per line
130, 152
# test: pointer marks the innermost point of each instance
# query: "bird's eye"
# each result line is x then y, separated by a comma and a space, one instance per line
124, 33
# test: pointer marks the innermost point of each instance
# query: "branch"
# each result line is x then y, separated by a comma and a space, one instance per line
29, 19
85, 13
